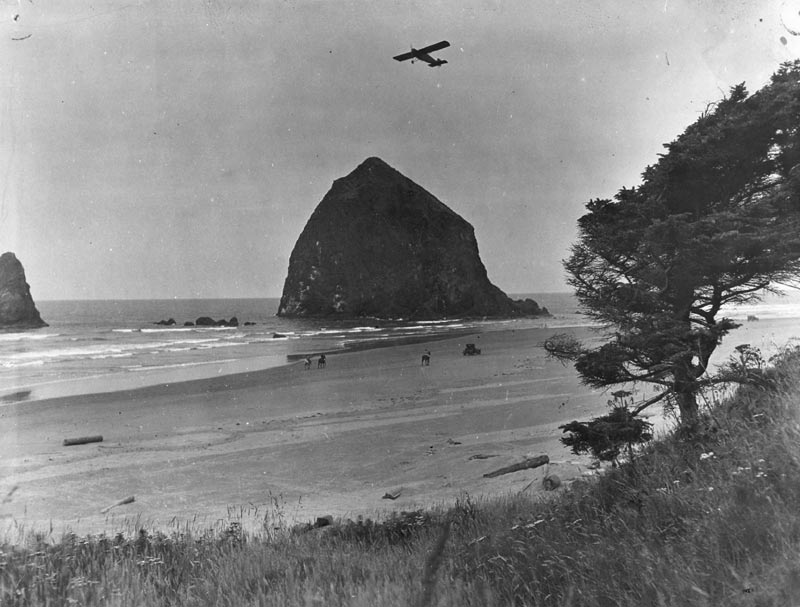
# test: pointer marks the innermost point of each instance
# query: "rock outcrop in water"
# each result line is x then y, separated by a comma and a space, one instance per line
17, 310
379, 245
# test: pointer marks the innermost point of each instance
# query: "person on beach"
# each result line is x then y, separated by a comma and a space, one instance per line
426, 358
321, 362
307, 364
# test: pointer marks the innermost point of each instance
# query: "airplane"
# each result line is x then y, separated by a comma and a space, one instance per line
422, 54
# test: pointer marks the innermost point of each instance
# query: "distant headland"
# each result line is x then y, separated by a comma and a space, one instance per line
17, 310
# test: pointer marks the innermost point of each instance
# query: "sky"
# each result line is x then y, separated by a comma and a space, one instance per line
153, 149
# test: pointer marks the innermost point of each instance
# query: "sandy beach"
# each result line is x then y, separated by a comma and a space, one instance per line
311, 442
318, 441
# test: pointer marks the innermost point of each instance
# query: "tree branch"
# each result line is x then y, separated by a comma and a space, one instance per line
652, 401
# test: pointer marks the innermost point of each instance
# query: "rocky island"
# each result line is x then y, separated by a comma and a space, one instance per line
379, 245
17, 310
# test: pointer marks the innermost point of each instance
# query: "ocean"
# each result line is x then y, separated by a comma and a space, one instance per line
100, 346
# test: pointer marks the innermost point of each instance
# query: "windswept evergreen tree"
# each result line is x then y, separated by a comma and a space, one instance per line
715, 221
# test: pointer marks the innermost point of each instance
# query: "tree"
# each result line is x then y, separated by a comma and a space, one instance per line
606, 436
715, 221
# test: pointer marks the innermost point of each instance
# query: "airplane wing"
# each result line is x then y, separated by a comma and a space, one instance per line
434, 47
404, 56
422, 53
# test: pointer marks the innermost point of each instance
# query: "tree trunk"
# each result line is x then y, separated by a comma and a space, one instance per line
687, 405
685, 372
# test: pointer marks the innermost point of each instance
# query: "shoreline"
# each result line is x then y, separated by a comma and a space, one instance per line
374, 344
318, 442
330, 441
126, 380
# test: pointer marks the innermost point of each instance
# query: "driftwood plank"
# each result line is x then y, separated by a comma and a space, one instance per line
68, 442
127, 500
392, 495
531, 462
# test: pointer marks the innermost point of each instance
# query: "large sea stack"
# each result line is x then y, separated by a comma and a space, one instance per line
17, 310
379, 245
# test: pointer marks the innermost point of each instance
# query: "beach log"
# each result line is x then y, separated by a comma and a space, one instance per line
531, 462
68, 442
126, 500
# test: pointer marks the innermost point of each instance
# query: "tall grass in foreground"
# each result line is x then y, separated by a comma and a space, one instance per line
712, 521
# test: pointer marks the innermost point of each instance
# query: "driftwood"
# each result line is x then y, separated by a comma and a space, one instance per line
82, 440
128, 500
392, 495
531, 462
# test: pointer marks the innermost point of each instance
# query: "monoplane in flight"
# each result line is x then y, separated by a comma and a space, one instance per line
423, 54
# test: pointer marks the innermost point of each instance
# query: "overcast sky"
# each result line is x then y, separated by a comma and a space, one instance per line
156, 149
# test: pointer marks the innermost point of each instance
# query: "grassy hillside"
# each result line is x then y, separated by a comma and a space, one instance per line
714, 521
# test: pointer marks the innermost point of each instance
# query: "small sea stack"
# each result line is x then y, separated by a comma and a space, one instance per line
17, 310
379, 245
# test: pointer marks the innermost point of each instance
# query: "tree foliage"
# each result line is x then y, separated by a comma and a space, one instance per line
715, 221
606, 436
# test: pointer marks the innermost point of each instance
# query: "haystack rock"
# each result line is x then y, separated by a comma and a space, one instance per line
379, 245
17, 310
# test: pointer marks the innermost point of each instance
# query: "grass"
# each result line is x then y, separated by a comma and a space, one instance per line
711, 521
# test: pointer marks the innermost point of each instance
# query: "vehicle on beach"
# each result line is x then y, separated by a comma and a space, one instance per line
471, 350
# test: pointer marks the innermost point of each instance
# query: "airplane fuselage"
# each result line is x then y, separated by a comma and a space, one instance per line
422, 56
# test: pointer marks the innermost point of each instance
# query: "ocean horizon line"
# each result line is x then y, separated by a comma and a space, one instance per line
134, 299
239, 297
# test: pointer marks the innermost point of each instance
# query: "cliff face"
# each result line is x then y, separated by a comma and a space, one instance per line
17, 310
379, 245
